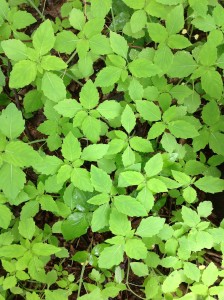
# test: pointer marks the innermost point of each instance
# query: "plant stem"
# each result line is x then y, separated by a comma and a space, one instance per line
37, 9
37, 141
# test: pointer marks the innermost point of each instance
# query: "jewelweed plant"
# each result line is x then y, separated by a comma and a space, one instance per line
111, 144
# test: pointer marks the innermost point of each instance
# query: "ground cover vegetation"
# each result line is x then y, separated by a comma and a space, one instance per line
112, 145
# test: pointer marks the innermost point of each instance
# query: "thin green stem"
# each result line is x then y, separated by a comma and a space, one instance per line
71, 57
37, 141
81, 279
37, 9
66, 74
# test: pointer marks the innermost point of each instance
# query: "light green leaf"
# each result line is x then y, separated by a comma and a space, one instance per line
182, 66
210, 274
119, 223
77, 19
81, 179
94, 152
109, 109
100, 218
181, 177
100, 45
68, 107
118, 44
89, 96
141, 145
108, 76
139, 269
75, 226
156, 185
157, 32
182, 129
154, 165
65, 42
52, 63
135, 4
150, 226
27, 228
205, 209
128, 157
42, 249
53, 87
190, 217
4, 9
129, 178
99, 199
91, 128
11, 122
22, 19
43, 38
178, 41
172, 282
143, 68
12, 180
192, 271
135, 249
48, 203
210, 113
101, 181
129, 206
210, 184
115, 253
208, 54
163, 59
71, 149
211, 82
5, 216
189, 194
148, 110
14, 49
23, 73
175, 20
216, 142
135, 89
12, 251
138, 20
128, 119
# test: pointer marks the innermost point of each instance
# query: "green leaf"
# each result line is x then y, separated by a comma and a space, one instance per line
12, 251
115, 253
128, 157
91, 128
190, 217
181, 177
129, 178
128, 119
89, 96
27, 228
65, 42
210, 113
23, 73
157, 32
118, 44
216, 141
93, 27
100, 8
71, 149
172, 282
94, 152
68, 108
100, 180
208, 54
53, 87
135, 4
192, 271
14, 49
154, 165
12, 180
100, 218
129, 206
135, 249
100, 45
32, 101
210, 274
157, 186
75, 226
135, 89
77, 19
22, 19
11, 122
163, 59
141, 145
156, 130
5, 216
138, 20
182, 66
42, 249
182, 129
48, 203
52, 63
150, 226
109, 109
99, 199
178, 41
175, 20
205, 209
119, 223
108, 76
148, 110
139, 269
143, 68
211, 82
189, 194
210, 184
4, 9
81, 179
43, 38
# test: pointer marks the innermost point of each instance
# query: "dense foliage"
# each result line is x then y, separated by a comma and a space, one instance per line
111, 140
